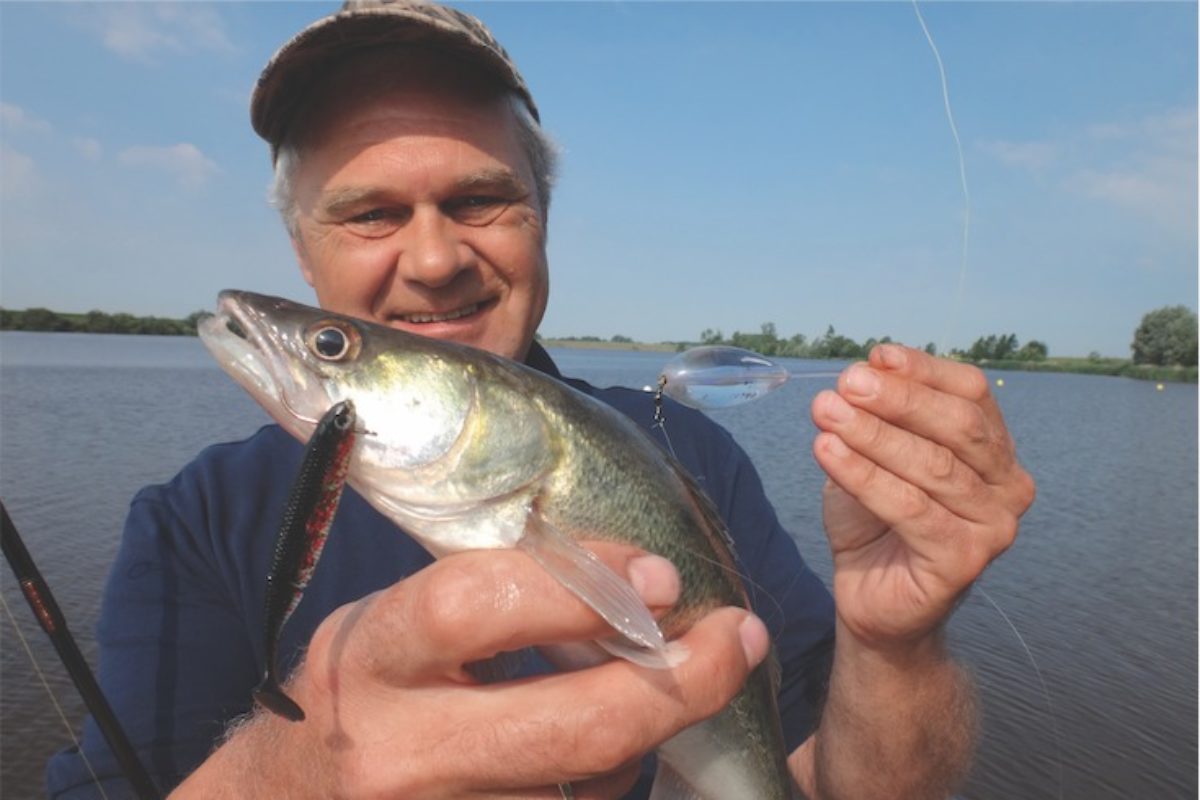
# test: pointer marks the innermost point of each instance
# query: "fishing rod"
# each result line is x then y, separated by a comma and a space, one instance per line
50, 618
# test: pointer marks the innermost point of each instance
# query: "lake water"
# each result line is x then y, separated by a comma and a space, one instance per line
1101, 583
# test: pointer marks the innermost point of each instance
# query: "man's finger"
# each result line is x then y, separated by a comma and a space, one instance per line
926, 464
586, 724
927, 527
941, 374
472, 605
974, 435
615, 784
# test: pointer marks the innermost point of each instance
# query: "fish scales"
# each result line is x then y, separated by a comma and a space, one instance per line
625, 499
465, 450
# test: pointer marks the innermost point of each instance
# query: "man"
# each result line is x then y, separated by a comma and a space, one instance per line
415, 182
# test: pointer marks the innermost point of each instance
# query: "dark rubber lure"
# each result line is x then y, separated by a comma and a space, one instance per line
302, 534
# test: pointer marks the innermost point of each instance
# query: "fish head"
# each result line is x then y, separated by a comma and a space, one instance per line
297, 361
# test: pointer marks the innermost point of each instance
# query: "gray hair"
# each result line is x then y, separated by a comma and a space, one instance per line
537, 145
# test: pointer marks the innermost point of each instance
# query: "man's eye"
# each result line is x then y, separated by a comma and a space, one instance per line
476, 209
481, 201
376, 222
374, 215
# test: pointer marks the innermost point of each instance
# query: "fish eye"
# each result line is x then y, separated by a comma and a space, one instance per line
331, 342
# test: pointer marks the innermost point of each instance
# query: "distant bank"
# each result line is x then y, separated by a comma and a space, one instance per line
1119, 367
587, 344
44, 320
47, 321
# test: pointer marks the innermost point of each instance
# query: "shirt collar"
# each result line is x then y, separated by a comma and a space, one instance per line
540, 360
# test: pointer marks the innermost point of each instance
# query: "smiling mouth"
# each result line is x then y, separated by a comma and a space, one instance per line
448, 316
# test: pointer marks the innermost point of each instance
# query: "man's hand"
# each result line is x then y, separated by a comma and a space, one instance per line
393, 712
924, 491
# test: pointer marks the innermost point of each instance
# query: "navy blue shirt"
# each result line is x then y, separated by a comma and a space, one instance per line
181, 627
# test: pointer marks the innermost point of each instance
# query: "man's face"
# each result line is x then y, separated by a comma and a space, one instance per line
417, 210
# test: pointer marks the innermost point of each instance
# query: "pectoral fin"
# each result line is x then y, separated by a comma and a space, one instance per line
670, 785
605, 592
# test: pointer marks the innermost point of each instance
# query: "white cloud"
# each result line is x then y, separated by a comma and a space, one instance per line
1176, 127
1031, 155
18, 174
87, 147
16, 119
1154, 172
183, 161
1146, 165
1146, 186
144, 31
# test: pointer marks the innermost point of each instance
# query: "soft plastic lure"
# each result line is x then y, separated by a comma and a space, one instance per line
302, 534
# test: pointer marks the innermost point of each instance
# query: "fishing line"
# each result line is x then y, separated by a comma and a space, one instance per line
660, 424
1041, 681
54, 700
962, 175
953, 325
359, 430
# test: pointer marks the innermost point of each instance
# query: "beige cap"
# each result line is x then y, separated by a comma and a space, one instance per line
371, 23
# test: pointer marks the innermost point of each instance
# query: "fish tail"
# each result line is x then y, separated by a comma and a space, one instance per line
270, 695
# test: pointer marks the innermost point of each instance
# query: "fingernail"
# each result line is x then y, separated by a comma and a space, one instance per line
655, 579
892, 357
755, 639
862, 381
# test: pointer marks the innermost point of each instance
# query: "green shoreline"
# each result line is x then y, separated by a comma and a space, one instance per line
578, 344
1114, 367
46, 321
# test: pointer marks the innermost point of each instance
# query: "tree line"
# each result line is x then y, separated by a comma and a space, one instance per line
617, 339
43, 319
1003, 347
768, 342
832, 344
1165, 337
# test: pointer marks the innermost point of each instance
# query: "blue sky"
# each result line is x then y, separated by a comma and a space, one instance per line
725, 164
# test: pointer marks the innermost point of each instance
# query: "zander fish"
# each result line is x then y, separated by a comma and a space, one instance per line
466, 450
302, 534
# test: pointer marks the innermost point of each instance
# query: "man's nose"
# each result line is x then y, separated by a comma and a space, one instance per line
433, 253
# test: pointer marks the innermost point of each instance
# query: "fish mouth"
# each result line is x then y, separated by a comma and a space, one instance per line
250, 348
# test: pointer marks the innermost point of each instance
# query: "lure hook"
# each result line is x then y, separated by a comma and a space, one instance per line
660, 419
359, 429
